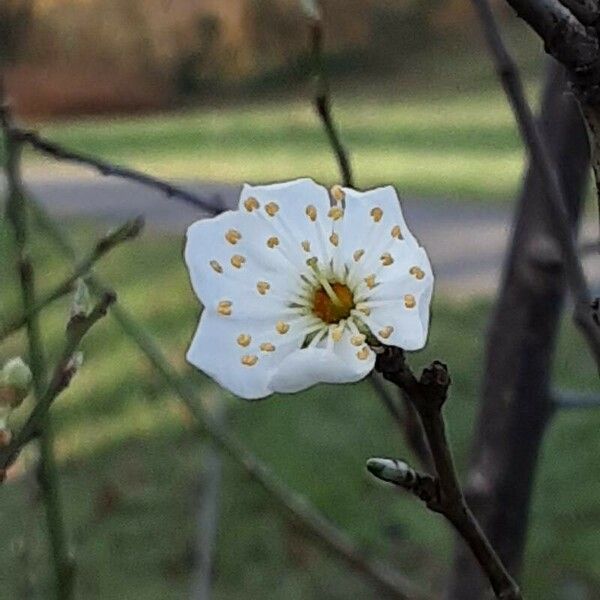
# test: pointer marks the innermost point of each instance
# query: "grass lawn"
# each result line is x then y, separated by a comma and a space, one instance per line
441, 128
130, 466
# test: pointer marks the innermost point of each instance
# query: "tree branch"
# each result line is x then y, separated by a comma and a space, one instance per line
443, 493
67, 366
54, 150
127, 231
558, 216
322, 99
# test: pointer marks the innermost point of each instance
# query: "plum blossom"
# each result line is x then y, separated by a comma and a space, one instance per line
301, 283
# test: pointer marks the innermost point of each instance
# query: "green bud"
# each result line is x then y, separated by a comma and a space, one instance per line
82, 301
15, 381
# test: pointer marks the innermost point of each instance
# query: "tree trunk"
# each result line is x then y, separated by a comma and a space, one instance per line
516, 404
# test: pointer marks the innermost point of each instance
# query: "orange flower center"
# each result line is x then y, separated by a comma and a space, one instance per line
329, 311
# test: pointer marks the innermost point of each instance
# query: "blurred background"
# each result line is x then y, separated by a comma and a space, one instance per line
213, 93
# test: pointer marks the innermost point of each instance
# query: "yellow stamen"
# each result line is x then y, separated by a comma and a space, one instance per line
306, 246
311, 212
272, 208
237, 260
358, 255
370, 281
224, 308
386, 332
312, 262
267, 347
396, 233
337, 193
363, 353
244, 340
335, 213
334, 238
233, 236
376, 213
337, 332
249, 360
272, 242
251, 204
357, 340
216, 266
365, 310
409, 301
263, 287
282, 327
386, 259
417, 272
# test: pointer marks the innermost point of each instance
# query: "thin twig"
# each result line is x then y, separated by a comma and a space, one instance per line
111, 240
407, 422
208, 511
322, 100
292, 505
443, 494
557, 212
47, 472
65, 369
49, 148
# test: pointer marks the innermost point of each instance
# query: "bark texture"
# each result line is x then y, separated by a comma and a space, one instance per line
516, 404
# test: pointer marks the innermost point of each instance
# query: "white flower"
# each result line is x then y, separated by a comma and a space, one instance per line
298, 281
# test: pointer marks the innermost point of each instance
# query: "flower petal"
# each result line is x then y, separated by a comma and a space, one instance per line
216, 276
296, 210
240, 356
332, 363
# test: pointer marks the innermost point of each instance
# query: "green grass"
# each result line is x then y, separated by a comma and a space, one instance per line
130, 466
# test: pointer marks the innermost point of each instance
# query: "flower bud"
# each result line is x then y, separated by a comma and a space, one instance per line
82, 302
15, 381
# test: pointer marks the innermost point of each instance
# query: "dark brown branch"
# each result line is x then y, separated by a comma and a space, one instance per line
407, 422
127, 231
443, 493
322, 101
558, 216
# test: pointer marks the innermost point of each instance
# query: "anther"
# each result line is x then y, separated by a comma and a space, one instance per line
282, 327
335, 213
409, 301
386, 259
244, 340
358, 255
357, 340
263, 287
370, 281
272, 242
233, 236
386, 332
249, 360
224, 308
237, 260
272, 208
396, 233
216, 266
363, 353
337, 193
376, 213
251, 204
417, 272
267, 347
334, 238
311, 212
306, 246
337, 332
